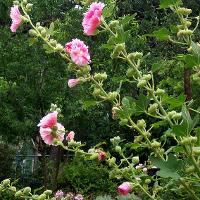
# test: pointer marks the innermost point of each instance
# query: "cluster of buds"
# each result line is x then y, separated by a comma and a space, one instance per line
119, 49
188, 140
153, 109
142, 82
196, 77
174, 115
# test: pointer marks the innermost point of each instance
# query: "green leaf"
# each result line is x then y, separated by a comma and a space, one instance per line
179, 130
174, 102
89, 103
141, 104
48, 49
189, 60
168, 3
32, 41
108, 10
168, 169
158, 124
161, 34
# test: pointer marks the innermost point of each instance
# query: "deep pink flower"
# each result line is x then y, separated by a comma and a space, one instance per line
49, 134
78, 52
92, 18
73, 82
15, 15
101, 155
125, 188
49, 120
70, 136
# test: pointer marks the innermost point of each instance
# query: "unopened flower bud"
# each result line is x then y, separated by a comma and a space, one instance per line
190, 169
112, 161
114, 112
130, 72
147, 77
152, 108
48, 192
155, 144
123, 122
6, 182
24, 1
59, 47
118, 49
53, 42
113, 24
160, 92
32, 32
141, 124
185, 141
148, 181
42, 197
43, 32
94, 156
142, 83
26, 190
184, 33
135, 160
1, 188
118, 149
100, 76
18, 194
112, 95
13, 189
196, 151
40, 28
138, 139
193, 139
97, 92
29, 6
184, 11
16, 3
37, 24
135, 56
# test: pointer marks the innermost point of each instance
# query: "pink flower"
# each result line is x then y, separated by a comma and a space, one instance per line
70, 136
49, 120
125, 188
92, 18
49, 134
59, 195
78, 52
16, 18
101, 155
73, 82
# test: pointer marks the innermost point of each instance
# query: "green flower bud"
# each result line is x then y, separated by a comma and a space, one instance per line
155, 144
135, 56
96, 92
32, 32
141, 124
16, 3
153, 108
37, 24
147, 77
94, 156
142, 83
112, 161
35, 197
135, 160
42, 197
26, 190
123, 122
40, 28
160, 92
18, 194
184, 11
1, 188
59, 48
177, 116
138, 139
24, 1
148, 181
196, 151
100, 76
112, 95
193, 139
113, 24
43, 32
48, 192
53, 42
29, 6
185, 141
13, 189
115, 140
118, 149
190, 169
184, 33
147, 134
130, 72
117, 50
6, 182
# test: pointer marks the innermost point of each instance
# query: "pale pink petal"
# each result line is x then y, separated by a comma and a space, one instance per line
125, 188
49, 120
46, 135
70, 136
73, 82
15, 15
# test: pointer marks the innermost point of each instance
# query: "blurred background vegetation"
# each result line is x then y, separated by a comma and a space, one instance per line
30, 80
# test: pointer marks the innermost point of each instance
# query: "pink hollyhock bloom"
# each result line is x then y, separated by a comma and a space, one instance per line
92, 18
101, 155
78, 52
70, 136
49, 120
59, 195
16, 18
73, 82
125, 188
49, 134
78, 197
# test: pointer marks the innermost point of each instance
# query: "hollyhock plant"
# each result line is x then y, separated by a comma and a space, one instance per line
15, 15
125, 188
92, 18
73, 82
49, 120
70, 136
78, 52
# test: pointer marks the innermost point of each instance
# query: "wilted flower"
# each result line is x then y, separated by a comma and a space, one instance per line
69, 196
101, 154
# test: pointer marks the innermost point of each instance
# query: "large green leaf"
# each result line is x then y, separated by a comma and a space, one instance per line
168, 169
161, 34
141, 104
168, 3
174, 102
